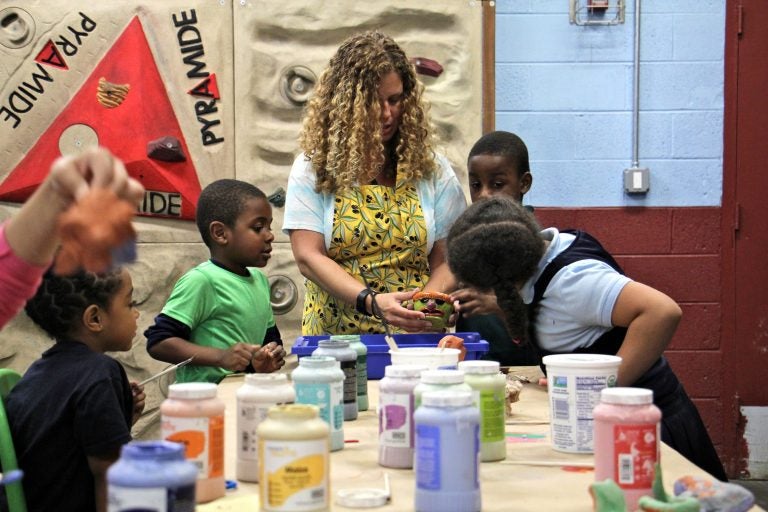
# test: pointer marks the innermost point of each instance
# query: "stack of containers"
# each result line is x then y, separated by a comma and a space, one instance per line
362, 367
488, 386
347, 358
319, 381
259, 392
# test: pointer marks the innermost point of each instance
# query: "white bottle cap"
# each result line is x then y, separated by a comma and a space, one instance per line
404, 370
479, 367
442, 377
446, 398
192, 390
268, 379
626, 396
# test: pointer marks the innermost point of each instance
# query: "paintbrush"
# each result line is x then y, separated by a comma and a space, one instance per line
167, 370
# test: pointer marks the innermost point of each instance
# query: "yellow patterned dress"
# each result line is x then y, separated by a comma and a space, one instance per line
379, 232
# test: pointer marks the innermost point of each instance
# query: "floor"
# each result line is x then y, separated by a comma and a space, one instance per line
759, 488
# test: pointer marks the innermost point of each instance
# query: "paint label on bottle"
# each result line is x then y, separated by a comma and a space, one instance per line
636, 452
295, 474
396, 420
203, 440
157, 499
327, 397
248, 419
362, 376
427, 458
350, 381
491, 405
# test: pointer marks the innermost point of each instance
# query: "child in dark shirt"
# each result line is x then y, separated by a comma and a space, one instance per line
497, 165
73, 409
220, 311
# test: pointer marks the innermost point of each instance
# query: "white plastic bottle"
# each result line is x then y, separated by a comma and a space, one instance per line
259, 392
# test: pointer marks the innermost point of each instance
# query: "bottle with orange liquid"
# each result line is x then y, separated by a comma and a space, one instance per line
193, 416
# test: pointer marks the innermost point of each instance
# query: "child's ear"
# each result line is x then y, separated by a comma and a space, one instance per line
93, 318
525, 182
218, 232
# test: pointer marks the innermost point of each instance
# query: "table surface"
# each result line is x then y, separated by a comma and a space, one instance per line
520, 487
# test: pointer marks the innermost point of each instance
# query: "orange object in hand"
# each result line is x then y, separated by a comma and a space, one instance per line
452, 341
92, 229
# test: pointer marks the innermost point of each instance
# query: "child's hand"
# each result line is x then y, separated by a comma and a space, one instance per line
269, 358
138, 401
237, 357
472, 301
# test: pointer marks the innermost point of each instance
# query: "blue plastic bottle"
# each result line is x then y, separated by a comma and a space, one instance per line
447, 453
152, 475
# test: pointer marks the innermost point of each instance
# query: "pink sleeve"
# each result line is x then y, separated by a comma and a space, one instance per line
18, 280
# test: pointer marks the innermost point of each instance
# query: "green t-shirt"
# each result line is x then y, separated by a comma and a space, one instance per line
222, 309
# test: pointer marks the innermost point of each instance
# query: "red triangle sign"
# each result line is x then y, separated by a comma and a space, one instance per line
51, 56
207, 87
144, 114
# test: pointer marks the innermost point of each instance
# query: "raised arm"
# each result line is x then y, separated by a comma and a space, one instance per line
33, 232
651, 318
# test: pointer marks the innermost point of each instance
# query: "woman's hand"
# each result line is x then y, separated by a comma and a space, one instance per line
390, 306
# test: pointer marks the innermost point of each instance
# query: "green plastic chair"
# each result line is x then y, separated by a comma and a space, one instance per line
14, 492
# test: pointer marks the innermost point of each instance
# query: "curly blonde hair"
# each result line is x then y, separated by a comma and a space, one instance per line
342, 126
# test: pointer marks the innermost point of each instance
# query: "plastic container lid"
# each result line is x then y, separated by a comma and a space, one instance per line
349, 338
334, 343
362, 498
294, 411
581, 360
269, 379
479, 367
626, 396
442, 377
192, 390
404, 370
318, 362
153, 450
446, 398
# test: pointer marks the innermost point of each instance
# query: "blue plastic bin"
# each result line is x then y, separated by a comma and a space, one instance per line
378, 350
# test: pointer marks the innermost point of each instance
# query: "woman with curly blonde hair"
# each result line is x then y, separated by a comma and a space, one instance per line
369, 200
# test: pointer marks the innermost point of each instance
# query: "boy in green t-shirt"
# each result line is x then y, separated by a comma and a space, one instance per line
220, 312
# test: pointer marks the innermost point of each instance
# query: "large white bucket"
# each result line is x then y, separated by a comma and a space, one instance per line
574, 382
431, 358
